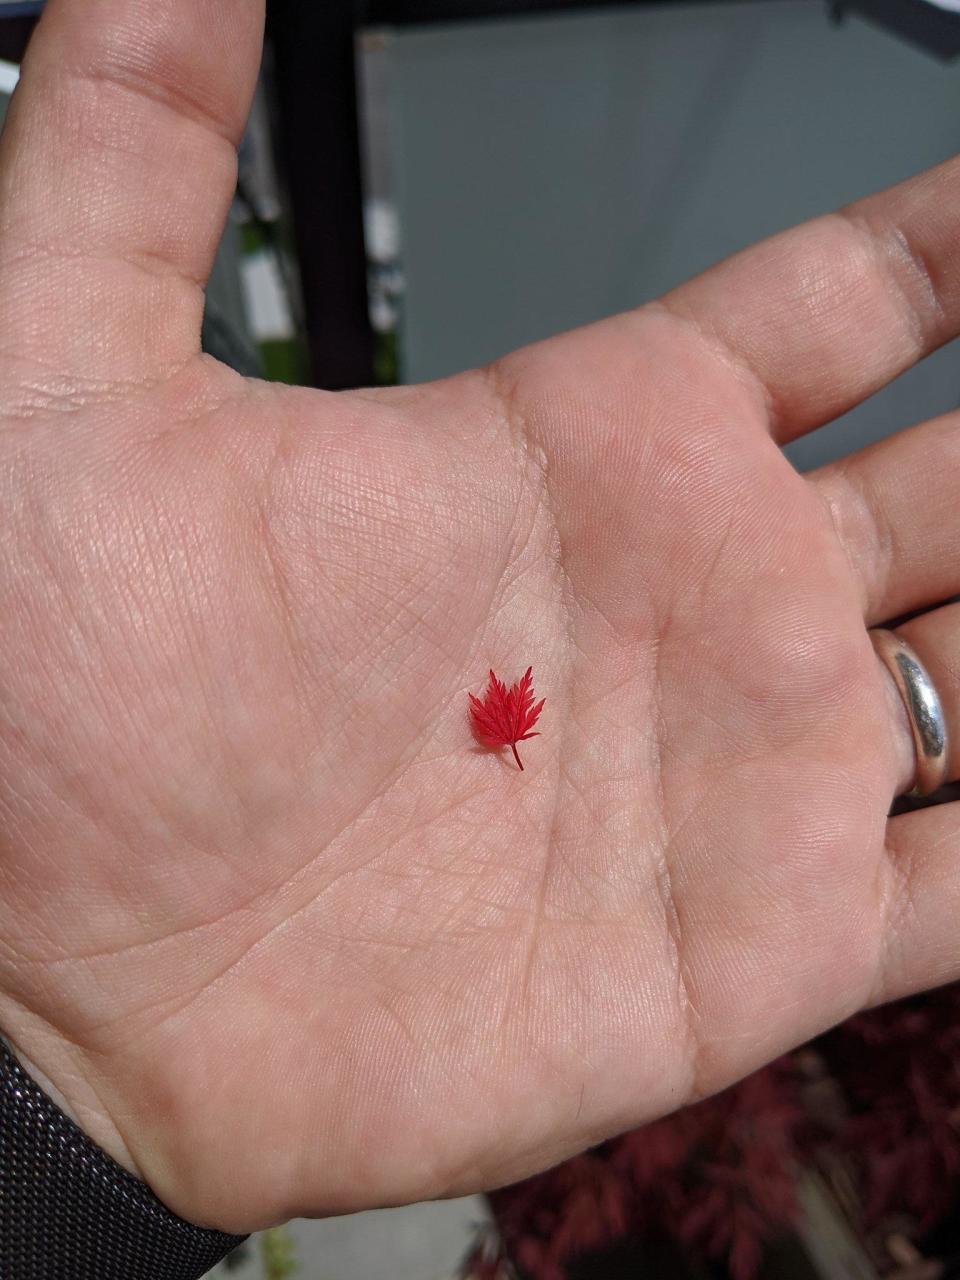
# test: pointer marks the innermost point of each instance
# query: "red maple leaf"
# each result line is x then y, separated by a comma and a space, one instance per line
506, 716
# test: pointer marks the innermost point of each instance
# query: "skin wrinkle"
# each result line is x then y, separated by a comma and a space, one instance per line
163, 286
666, 887
215, 977
91, 122
113, 394
926, 324
211, 923
228, 391
872, 570
37, 401
141, 82
925, 270
517, 543
288, 918
395, 611
417, 824
718, 557
82, 1111
63, 797
112, 391
182, 836
183, 607
883, 550
275, 576
439, 929
908, 867
672, 921
519, 430
895, 877
901, 873
168, 819
436, 714
719, 350
863, 571
154, 266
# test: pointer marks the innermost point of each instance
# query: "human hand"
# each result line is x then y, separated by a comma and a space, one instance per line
282, 937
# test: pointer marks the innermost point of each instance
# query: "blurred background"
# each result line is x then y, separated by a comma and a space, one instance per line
426, 184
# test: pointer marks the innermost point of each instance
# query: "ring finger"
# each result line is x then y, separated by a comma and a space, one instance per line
894, 507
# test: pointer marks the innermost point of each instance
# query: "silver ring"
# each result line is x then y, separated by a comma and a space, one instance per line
923, 707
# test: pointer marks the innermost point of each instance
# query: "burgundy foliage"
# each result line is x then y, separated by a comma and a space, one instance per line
719, 1178
899, 1068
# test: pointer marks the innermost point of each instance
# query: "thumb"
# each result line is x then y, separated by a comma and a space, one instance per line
117, 167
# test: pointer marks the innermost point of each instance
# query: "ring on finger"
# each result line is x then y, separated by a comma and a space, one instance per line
923, 707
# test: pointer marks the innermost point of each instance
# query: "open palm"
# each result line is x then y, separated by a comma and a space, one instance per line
283, 936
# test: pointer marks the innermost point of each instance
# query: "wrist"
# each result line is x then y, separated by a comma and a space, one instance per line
68, 1209
57, 1068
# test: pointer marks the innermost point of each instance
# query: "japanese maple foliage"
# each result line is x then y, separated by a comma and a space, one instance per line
717, 1178
899, 1068
505, 716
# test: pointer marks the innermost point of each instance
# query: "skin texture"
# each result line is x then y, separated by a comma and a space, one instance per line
283, 938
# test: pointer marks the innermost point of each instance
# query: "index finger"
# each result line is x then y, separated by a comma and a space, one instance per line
825, 314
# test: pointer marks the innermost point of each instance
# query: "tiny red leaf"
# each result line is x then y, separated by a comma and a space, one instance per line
506, 716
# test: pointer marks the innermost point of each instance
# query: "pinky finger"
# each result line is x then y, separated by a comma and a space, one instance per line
921, 945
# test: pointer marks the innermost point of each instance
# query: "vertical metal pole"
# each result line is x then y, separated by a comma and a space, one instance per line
319, 145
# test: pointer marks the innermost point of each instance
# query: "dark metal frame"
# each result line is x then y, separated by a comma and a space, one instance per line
399, 13
318, 136
15, 33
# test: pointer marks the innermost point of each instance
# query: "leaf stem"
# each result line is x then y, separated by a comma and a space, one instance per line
513, 748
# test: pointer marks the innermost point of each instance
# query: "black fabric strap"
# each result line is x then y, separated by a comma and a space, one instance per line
70, 1212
